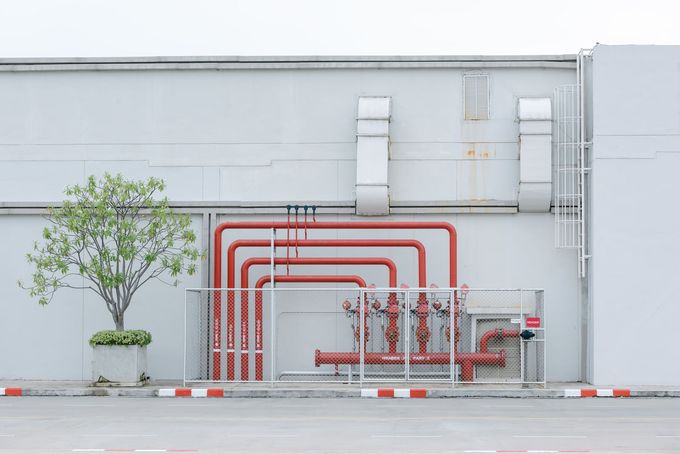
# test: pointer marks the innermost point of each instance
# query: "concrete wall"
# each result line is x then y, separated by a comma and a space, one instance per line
269, 137
214, 134
635, 222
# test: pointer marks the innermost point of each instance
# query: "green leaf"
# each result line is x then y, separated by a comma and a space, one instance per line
114, 235
130, 337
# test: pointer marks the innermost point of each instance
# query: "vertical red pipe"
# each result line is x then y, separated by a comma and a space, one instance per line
217, 274
245, 268
217, 316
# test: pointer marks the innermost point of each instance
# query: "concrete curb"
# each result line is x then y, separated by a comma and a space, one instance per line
325, 393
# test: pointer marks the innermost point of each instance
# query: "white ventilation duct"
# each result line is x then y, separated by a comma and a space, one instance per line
373, 145
535, 154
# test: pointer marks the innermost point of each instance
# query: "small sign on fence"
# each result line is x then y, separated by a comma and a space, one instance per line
533, 322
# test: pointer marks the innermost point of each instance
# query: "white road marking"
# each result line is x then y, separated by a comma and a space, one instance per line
89, 405
401, 401
549, 436
6, 435
119, 435
508, 406
668, 436
87, 450
263, 435
405, 436
479, 450
190, 405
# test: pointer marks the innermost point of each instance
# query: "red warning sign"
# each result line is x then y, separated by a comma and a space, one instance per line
533, 322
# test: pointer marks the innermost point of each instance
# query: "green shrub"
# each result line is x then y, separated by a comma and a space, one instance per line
131, 337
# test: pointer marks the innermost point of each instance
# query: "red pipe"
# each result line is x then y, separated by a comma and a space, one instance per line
231, 260
466, 360
217, 274
493, 333
307, 279
245, 267
330, 278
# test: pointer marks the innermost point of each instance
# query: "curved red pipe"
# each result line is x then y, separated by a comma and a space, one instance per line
420, 248
217, 274
492, 333
245, 267
466, 360
301, 278
231, 271
313, 279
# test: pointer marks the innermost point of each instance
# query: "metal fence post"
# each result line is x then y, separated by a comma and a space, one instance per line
184, 359
407, 337
272, 323
361, 328
522, 344
452, 336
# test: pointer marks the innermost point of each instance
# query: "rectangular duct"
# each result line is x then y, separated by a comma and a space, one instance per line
535, 154
373, 144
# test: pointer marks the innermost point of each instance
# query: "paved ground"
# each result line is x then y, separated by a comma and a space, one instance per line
96, 424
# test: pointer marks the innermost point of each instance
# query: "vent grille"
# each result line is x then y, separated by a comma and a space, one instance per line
476, 90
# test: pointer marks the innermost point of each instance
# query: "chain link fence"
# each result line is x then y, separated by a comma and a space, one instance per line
351, 335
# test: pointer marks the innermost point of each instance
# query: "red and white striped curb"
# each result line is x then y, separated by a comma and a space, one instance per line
609, 392
392, 392
10, 391
191, 392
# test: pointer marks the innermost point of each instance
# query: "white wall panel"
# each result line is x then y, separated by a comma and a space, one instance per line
487, 180
635, 225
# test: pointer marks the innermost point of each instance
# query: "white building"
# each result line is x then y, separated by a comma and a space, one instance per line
242, 138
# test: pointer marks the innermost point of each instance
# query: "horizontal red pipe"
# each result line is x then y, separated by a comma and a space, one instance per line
330, 278
490, 359
354, 225
245, 268
493, 333
391, 266
231, 252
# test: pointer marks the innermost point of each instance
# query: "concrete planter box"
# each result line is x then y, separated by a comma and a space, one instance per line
119, 364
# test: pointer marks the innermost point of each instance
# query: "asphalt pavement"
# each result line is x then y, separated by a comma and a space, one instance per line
117, 424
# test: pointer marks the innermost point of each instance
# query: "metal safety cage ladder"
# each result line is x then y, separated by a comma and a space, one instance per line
571, 166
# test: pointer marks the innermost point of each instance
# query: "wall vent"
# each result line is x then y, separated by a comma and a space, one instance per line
476, 96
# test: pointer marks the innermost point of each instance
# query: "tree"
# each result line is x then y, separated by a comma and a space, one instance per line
114, 234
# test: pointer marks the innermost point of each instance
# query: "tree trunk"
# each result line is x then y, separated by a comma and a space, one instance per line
120, 324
